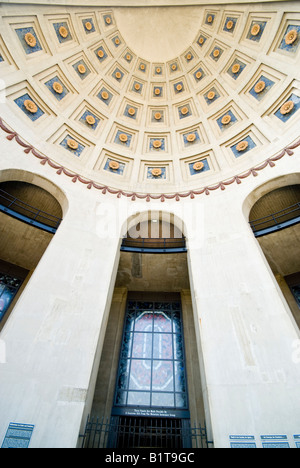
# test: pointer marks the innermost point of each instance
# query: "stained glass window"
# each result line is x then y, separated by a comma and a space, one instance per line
151, 368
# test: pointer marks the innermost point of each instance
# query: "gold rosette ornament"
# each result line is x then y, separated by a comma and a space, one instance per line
100, 53
30, 39
242, 145
184, 110
104, 95
157, 116
235, 68
30, 106
209, 19
90, 119
260, 86
114, 165
211, 95
291, 37
191, 137
179, 87
198, 166
88, 26
229, 24
72, 144
198, 75
226, 119
216, 53
81, 68
174, 67
157, 91
57, 87
137, 86
123, 137
63, 32
189, 56
157, 144
287, 107
255, 29
118, 75
108, 20
201, 40
156, 172
131, 111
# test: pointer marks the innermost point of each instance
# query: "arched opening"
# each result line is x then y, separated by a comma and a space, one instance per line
275, 221
29, 217
148, 387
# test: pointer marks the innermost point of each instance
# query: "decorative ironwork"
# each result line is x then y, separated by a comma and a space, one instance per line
276, 221
128, 432
28, 214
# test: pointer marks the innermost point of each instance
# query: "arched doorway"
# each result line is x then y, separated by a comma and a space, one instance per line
275, 220
29, 217
148, 388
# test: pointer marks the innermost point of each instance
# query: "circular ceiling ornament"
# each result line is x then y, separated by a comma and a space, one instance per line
211, 95
63, 32
157, 144
235, 68
287, 107
260, 86
198, 75
104, 95
137, 86
291, 37
118, 75
191, 137
90, 119
173, 67
81, 68
30, 39
100, 53
30, 106
114, 165
123, 137
242, 145
226, 119
117, 41
128, 57
198, 166
201, 40
216, 53
157, 91
142, 67
156, 172
189, 56
157, 116
179, 87
229, 24
255, 29
72, 144
108, 20
88, 26
184, 110
131, 111
57, 87
209, 19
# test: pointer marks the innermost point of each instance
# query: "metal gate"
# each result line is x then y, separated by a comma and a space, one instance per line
131, 432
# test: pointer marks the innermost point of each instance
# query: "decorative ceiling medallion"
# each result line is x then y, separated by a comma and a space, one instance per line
229, 24
255, 29
209, 19
100, 53
30, 106
287, 107
108, 20
191, 137
90, 119
198, 74
131, 111
242, 145
157, 116
184, 110
189, 56
114, 165
123, 137
216, 53
260, 86
104, 95
88, 25
30, 39
81, 68
198, 166
57, 87
291, 36
63, 32
72, 144
211, 95
235, 68
156, 172
226, 119
157, 144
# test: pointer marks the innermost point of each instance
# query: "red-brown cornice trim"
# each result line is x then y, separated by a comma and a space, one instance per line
147, 196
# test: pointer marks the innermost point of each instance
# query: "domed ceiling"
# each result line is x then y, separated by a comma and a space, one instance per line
160, 101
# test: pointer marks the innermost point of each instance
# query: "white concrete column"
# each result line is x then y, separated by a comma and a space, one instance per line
54, 335
248, 338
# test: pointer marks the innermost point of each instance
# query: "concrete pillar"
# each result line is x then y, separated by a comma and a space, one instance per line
247, 336
55, 333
